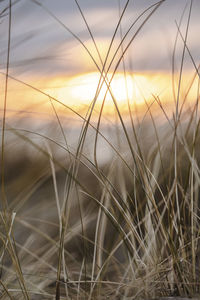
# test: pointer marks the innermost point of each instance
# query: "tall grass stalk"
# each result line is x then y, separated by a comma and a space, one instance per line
73, 227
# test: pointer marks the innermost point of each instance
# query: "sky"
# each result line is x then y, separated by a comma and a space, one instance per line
40, 43
60, 46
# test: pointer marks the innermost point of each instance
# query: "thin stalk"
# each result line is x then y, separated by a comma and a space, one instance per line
177, 119
3, 192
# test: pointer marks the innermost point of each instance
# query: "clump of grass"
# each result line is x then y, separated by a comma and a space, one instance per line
73, 227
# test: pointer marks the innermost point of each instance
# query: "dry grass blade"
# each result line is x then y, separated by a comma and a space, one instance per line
95, 209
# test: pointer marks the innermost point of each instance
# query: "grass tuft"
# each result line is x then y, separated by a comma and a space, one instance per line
75, 225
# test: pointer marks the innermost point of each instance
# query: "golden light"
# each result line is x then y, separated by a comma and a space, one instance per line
79, 91
86, 88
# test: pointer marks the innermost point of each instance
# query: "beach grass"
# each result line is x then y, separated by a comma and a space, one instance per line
115, 215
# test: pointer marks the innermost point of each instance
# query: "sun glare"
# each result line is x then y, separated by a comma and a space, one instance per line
137, 89
79, 91
86, 87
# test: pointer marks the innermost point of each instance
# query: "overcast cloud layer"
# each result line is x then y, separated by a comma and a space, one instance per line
41, 45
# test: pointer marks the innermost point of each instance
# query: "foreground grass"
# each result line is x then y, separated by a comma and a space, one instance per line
124, 229
76, 227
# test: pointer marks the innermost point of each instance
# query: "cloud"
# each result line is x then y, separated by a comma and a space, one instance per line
41, 45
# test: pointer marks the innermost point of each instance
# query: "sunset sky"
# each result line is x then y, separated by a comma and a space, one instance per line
47, 55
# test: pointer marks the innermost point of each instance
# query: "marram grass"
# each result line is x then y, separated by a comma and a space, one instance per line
74, 226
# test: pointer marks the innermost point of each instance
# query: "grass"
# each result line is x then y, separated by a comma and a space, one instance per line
76, 227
